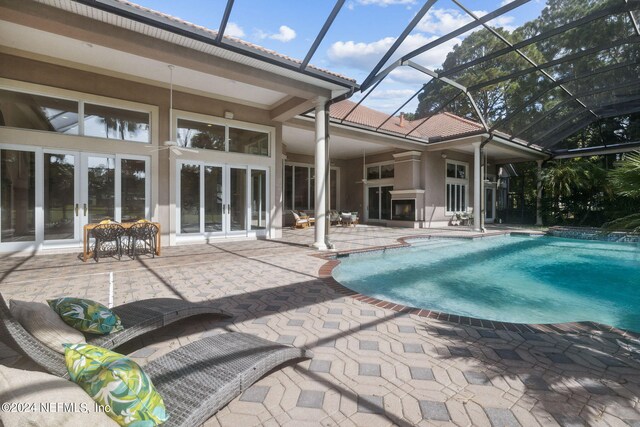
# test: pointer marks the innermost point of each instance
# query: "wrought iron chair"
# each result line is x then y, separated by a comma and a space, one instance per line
142, 238
108, 239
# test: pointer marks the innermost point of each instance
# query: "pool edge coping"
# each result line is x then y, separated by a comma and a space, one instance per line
325, 272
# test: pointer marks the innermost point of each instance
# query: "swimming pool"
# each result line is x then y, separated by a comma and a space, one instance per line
517, 279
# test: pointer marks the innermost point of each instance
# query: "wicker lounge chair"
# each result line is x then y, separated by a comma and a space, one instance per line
195, 381
140, 317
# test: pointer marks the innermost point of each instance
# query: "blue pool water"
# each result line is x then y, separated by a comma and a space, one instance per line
515, 279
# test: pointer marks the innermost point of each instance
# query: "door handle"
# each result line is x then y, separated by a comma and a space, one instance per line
77, 207
85, 209
224, 209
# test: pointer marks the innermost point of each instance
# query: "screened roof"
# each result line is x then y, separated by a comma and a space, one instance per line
574, 64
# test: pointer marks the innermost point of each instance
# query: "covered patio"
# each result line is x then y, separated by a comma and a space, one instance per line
374, 364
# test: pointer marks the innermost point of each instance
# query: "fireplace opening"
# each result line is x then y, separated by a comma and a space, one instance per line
403, 210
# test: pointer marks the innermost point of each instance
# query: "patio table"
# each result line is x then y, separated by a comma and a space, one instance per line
88, 253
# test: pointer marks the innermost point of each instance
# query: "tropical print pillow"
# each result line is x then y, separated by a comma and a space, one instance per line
86, 315
117, 381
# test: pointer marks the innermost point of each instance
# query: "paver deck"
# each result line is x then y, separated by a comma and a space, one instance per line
372, 366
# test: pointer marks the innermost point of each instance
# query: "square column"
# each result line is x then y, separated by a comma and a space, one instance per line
321, 174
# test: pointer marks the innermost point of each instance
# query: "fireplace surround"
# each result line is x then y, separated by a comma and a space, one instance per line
403, 210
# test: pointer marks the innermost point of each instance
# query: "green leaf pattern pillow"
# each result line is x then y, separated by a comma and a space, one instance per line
86, 315
115, 380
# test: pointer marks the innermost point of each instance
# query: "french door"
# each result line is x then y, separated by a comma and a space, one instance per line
48, 195
221, 200
490, 204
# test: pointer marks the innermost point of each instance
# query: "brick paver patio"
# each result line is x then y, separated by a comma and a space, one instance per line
372, 366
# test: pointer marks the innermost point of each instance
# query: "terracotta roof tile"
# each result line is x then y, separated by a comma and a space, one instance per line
214, 33
443, 125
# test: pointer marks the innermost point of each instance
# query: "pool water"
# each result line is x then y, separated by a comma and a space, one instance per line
517, 279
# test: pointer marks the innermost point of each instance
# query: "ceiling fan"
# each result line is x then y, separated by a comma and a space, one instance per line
171, 144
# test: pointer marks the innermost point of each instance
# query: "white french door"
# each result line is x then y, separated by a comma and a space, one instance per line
48, 195
490, 204
217, 200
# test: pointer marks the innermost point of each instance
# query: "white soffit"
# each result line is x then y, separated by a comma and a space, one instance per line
189, 43
68, 49
301, 141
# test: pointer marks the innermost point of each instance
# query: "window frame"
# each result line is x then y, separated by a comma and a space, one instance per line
456, 181
311, 194
379, 166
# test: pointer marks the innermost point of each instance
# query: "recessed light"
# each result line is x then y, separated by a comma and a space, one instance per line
209, 125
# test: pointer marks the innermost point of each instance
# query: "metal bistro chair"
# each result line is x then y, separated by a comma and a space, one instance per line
108, 239
142, 238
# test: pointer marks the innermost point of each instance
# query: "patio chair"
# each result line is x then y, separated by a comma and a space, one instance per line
108, 238
346, 218
138, 318
195, 381
299, 221
142, 238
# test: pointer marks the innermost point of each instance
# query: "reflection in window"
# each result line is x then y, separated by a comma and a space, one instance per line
190, 199
248, 141
17, 196
26, 111
59, 196
288, 187
212, 199
133, 186
386, 171
116, 123
333, 189
200, 135
373, 172
258, 199
101, 182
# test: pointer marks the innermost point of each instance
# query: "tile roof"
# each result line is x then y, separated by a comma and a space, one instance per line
214, 33
443, 125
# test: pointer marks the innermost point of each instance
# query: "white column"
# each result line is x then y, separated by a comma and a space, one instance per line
539, 194
477, 183
321, 173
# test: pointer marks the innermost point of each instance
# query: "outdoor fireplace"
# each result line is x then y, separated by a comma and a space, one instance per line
403, 210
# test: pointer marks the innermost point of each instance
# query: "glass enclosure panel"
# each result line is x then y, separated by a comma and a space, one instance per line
386, 171
116, 123
132, 189
200, 135
237, 199
333, 189
18, 196
374, 203
288, 187
385, 202
213, 199
101, 173
23, 110
373, 172
190, 199
59, 196
258, 200
248, 141
301, 183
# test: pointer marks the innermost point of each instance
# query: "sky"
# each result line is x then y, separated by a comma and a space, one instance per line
360, 35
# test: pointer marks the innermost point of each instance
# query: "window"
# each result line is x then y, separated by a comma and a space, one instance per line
190, 199
200, 135
50, 114
457, 183
380, 171
116, 123
27, 111
248, 141
299, 187
218, 136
